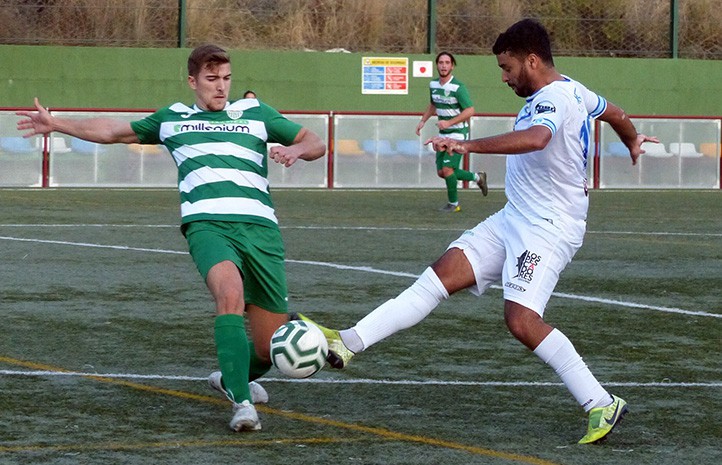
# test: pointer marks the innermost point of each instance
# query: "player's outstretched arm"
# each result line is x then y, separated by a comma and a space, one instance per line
510, 143
618, 120
101, 130
306, 146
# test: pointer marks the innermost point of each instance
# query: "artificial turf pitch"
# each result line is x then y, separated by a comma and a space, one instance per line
106, 336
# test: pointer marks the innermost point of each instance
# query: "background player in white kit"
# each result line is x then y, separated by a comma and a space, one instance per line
529, 242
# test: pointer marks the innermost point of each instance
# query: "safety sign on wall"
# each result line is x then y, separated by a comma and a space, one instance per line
385, 75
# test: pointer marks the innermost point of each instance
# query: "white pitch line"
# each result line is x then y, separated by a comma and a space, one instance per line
87, 225
97, 246
621, 303
556, 294
343, 228
367, 269
658, 233
428, 382
408, 228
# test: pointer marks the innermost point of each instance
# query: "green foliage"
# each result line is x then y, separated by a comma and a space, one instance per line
579, 27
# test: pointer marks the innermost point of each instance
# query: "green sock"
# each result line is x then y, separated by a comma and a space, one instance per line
233, 356
463, 175
257, 367
451, 189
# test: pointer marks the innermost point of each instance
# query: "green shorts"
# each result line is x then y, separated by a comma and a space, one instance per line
256, 250
443, 159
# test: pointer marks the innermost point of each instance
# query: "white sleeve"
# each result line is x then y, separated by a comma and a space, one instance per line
547, 109
595, 104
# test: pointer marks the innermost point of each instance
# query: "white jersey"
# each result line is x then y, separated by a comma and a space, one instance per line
551, 184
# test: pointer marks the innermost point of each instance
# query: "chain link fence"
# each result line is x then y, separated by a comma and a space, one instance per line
620, 28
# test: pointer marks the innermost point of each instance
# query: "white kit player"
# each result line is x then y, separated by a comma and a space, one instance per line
527, 244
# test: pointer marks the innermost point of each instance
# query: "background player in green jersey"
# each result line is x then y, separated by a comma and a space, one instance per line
451, 103
228, 218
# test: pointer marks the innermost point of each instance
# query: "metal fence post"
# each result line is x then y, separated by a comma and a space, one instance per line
182, 23
431, 27
674, 28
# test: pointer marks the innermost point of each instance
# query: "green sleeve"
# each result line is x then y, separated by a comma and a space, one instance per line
148, 129
280, 129
462, 96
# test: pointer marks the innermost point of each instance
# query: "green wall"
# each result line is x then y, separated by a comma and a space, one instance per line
84, 77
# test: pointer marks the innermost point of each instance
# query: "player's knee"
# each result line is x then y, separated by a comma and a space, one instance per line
521, 322
515, 325
229, 301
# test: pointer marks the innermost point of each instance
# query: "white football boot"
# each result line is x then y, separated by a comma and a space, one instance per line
245, 417
258, 393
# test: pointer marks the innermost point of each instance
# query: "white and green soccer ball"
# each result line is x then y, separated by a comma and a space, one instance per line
298, 349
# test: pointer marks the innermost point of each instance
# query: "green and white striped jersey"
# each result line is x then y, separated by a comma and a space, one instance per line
451, 99
222, 157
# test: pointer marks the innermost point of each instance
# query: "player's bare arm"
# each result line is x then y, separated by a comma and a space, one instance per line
430, 111
510, 143
306, 146
100, 130
619, 121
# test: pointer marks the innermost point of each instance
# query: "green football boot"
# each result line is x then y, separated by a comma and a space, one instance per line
338, 354
603, 419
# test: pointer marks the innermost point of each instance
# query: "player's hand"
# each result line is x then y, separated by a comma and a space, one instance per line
636, 151
285, 156
419, 127
445, 144
442, 124
36, 122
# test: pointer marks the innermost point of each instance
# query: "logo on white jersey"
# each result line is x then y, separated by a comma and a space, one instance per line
526, 264
512, 285
212, 126
234, 114
544, 107
576, 96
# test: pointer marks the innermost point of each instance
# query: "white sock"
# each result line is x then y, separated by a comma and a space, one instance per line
406, 310
351, 340
559, 353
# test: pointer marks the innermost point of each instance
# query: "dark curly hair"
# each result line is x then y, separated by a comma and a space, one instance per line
524, 38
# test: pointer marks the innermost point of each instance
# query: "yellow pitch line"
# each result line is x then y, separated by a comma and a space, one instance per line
380, 432
388, 434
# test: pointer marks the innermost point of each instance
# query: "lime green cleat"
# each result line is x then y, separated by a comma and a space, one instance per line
603, 419
338, 354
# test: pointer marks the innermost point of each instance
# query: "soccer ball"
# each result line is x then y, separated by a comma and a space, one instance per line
298, 349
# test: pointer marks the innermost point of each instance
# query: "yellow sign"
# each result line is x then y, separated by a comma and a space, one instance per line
385, 75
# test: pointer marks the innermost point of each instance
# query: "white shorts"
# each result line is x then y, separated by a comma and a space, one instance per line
527, 258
